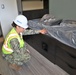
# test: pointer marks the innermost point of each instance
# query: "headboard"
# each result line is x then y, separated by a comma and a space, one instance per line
34, 14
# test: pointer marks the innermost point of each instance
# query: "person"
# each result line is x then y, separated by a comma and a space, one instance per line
14, 49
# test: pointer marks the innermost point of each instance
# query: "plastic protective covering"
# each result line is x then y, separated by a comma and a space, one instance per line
62, 30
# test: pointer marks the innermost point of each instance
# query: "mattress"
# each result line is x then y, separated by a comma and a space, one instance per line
62, 30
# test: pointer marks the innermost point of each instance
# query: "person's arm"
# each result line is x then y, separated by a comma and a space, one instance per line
31, 32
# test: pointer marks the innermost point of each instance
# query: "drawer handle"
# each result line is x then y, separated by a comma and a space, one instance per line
71, 66
72, 55
44, 46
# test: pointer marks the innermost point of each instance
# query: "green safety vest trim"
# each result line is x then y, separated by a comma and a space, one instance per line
6, 49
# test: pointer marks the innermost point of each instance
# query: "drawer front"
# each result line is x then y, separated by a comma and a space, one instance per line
65, 66
48, 47
66, 56
45, 52
67, 48
43, 45
50, 57
47, 43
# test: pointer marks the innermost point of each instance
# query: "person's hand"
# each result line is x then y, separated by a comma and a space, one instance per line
43, 31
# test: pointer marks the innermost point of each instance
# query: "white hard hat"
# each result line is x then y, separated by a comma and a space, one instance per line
21, 21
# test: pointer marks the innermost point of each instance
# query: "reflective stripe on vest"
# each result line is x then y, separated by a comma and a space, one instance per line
5, 45
6, 48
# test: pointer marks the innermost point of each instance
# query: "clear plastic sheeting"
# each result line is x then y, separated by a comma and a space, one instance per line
63, 32
68, 23
35, 24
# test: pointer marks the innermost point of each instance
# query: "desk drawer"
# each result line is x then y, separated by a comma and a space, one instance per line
65, 66
66, 48
42, 42
66, 56
43, 45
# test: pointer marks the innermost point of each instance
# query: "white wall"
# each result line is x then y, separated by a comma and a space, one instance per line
8, 14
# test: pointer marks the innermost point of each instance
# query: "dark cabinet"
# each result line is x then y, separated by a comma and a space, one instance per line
66, 58
55, 51
65, 66
43, 45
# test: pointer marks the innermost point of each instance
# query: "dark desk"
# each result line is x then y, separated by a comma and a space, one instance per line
57, 52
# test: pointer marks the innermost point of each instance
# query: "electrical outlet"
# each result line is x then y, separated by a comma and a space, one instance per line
2, 6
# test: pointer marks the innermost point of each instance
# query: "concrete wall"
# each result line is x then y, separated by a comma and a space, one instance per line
8, 12
65, 9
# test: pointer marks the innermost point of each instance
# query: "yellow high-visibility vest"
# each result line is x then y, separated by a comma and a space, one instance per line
6, 48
